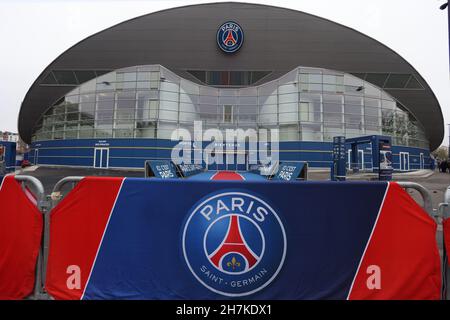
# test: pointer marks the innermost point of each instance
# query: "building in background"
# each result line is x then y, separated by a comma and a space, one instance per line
9, 136
21, 146
113, 99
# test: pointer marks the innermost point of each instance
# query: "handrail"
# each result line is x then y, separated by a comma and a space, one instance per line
61, 183
427, 201
43, 207
36, 184
446, 213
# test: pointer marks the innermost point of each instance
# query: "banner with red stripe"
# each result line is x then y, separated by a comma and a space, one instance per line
114, 238
20, 239
77, 227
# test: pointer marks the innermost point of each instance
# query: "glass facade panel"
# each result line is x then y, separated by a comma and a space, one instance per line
306, 104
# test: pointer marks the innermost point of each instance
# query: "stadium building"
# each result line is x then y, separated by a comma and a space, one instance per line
113, 99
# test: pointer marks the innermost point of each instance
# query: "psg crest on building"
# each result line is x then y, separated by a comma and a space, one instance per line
234, 243
230, 37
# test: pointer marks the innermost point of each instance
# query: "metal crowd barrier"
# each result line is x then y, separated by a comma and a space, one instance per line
56, 192
445, 206
55, 197
46, 206
43, 206
427, 201
444, 213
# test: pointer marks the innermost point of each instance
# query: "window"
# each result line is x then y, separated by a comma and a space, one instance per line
413, 83
289, 132
49, 79
84, 75
65, 77
228, 78
377, 79
311, 132
333, 83
145, 129
397, 80
105, 111
125, 108
305, 112
227, 114
109, 105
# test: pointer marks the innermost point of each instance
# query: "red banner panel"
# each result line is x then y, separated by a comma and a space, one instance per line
20, 238
77, 226
401, 260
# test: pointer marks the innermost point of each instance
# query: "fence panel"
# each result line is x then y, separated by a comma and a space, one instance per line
116, 238
76, 230
446, 222
20, 239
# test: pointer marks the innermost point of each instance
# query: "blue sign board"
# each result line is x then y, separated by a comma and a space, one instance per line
338, 169
190, 169
289, 171
163, 169
385, 161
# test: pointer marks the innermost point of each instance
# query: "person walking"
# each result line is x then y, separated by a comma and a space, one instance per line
444, 166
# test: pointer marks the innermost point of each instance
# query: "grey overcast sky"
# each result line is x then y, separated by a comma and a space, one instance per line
34, 32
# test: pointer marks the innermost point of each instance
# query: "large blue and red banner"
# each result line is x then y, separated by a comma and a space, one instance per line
20, 240
127, 238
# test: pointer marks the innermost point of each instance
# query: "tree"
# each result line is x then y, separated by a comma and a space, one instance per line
440, 153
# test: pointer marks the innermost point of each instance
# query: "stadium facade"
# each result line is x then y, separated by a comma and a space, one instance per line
114, 99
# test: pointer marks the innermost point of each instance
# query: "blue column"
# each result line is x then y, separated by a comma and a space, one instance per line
338, 168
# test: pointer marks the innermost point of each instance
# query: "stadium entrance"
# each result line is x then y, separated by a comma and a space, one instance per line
230, 160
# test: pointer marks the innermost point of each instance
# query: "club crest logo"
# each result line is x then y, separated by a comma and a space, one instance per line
230, 37
234, 243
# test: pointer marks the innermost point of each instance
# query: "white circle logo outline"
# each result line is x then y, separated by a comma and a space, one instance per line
274, 274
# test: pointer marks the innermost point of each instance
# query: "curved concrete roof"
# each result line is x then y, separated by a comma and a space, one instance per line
276, 39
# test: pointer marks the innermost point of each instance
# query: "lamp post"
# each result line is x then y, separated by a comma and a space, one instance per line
443, 7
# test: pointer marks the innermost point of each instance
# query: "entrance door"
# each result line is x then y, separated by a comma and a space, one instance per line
229, 161
404, 161
101, 158
360, 159
36, 156
422, 163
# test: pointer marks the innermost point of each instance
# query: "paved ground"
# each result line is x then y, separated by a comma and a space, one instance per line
435, 182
